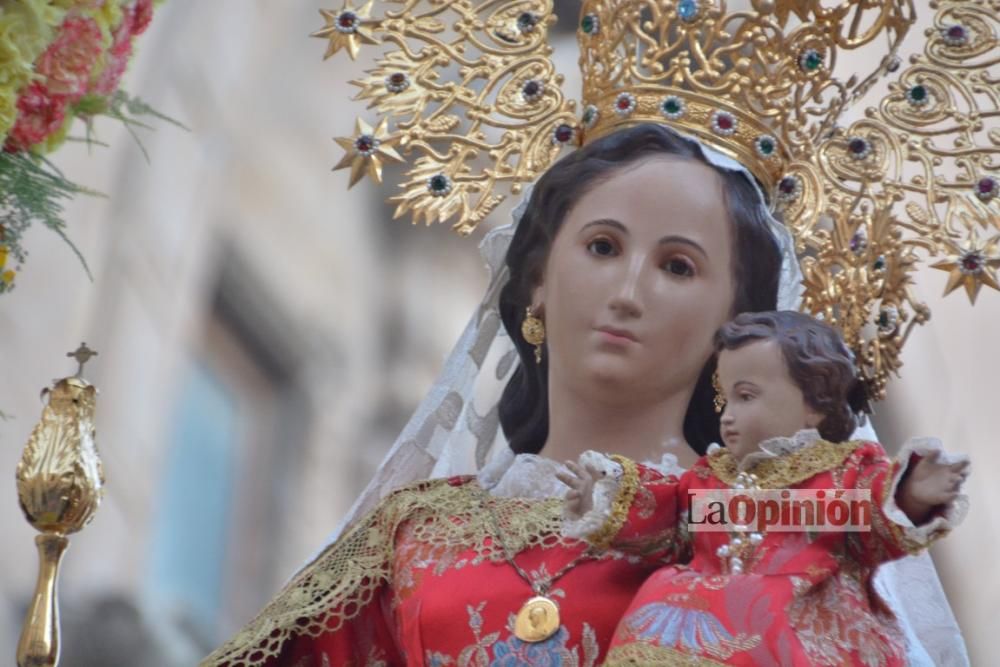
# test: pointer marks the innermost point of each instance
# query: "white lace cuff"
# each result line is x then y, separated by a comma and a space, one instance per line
918, 537
605, 492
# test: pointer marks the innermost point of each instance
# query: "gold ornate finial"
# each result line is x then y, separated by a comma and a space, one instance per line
60, 483
82, 354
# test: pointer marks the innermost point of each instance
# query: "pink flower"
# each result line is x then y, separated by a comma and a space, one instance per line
142, 16
135, 20
114, 68
40, 113
69, 60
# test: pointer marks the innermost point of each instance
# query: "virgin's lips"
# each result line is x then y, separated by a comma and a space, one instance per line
623, 333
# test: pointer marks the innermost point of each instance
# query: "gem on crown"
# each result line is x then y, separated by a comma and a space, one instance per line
789, 189
439, 185
366, 145
688, 10
532, 90
859, 148
766, 146
971, 262
563, 134
987, 189
625, 104
590, 24
887, 320
723, 123
811, 60
955, 35
347, 22
672, 107
527, 21
397, 82
918, 96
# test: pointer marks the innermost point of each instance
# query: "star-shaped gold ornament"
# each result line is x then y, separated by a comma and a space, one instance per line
367, 150
346, 28
972, 267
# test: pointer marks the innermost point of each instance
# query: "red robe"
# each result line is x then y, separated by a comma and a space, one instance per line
404, 594
801, 599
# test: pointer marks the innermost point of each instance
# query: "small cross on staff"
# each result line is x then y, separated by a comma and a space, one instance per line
82, 356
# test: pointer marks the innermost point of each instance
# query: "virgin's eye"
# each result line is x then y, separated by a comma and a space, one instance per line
602, 247
679, 267
746, 397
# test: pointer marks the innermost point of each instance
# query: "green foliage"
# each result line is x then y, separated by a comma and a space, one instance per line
33, 190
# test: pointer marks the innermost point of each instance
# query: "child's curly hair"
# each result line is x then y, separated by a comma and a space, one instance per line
818, 361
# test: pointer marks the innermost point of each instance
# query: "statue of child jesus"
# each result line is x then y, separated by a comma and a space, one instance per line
775, 590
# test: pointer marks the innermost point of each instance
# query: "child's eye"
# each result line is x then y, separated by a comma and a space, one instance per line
602, 247
679, 267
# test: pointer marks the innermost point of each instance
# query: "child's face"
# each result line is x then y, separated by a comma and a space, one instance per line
762, 401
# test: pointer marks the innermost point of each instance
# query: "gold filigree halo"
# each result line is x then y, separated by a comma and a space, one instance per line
474, 106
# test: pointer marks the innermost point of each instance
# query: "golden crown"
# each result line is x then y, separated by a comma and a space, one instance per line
468, 95
754, 84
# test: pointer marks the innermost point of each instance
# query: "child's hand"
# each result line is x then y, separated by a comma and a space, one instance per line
580, 480
929, 484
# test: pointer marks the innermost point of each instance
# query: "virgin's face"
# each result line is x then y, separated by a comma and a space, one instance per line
637, 281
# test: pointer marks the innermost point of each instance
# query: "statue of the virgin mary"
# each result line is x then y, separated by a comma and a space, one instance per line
710, 178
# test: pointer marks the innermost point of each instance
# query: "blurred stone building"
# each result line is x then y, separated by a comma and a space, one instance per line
263, 336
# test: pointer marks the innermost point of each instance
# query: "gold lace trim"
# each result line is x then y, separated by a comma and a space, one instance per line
648, 654
627, 489
787, 469
443, 516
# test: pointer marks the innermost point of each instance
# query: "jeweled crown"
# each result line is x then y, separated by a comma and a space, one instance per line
760, 84
469, 97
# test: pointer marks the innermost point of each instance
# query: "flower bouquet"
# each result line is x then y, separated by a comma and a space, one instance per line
60, 60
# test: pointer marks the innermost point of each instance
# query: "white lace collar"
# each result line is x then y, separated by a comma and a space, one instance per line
775, 447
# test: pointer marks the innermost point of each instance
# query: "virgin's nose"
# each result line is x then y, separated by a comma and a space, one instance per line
627, 302
625, 306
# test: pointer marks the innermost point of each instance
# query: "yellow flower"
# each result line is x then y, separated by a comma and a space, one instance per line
8, 277
26, 30
108, 16
57, 138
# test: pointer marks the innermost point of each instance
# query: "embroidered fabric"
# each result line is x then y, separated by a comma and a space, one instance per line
443, 516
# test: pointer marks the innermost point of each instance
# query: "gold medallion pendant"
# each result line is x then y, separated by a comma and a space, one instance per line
537, 620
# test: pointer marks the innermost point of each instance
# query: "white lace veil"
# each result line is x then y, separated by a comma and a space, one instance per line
455, 430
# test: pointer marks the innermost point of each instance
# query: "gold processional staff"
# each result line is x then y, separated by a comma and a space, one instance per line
59, 486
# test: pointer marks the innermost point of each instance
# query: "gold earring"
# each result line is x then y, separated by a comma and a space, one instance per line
533, 330
720, 402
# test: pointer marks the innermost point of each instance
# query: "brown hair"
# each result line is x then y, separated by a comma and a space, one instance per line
524, 408
817, 359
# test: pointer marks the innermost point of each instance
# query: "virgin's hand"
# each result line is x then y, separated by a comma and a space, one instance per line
580, 480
